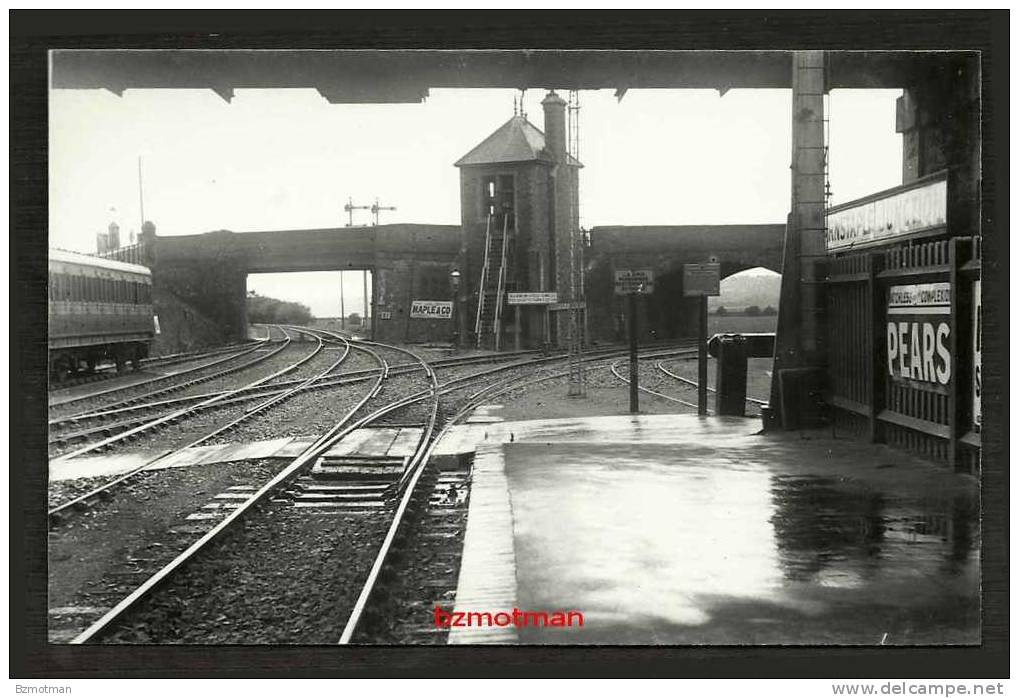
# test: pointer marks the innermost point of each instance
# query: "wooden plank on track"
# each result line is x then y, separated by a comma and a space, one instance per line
406, 442
350, 443
378, 442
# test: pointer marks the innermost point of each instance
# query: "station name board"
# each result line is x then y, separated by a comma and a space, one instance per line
432, 310
896, 214
918, 332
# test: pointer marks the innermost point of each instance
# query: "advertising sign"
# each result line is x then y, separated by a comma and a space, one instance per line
976, 355
702, 279
532, 298
884, 218
432, 310
917, 334
634, 281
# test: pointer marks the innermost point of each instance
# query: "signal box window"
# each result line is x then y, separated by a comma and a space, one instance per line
497, 197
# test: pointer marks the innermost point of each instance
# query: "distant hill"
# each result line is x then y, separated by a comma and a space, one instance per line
752, 287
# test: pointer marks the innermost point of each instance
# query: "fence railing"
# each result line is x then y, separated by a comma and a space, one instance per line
903, 347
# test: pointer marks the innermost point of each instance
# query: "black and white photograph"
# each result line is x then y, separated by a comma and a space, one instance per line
514, 347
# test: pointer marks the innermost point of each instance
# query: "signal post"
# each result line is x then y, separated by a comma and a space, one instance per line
633, 283
702, 280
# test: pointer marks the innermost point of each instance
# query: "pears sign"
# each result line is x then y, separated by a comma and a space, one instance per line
918, 330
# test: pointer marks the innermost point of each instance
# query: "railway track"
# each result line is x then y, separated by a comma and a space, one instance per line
133, 428
146, 388
266, 391
344, 426
108, 371
686, 381
295, 486
430, 517
614, 368
59, 512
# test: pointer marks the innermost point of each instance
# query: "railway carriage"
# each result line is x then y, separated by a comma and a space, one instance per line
100, 310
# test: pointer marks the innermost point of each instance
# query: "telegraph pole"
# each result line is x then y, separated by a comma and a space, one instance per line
375, 208
634, 374
364, 291
141, 195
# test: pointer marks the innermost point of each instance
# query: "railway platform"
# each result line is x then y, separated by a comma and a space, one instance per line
678, 529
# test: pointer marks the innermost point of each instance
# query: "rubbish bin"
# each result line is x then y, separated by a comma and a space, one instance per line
731, 375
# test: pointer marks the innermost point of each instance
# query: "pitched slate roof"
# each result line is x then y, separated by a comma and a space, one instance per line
517, 140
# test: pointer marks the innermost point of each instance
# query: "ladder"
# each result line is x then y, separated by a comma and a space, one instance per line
492, 287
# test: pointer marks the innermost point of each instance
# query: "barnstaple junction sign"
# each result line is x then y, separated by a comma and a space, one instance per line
916, 210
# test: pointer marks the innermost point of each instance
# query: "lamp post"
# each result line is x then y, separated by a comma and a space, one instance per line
454, 284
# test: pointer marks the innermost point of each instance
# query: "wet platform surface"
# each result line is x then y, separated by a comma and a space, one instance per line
675, 529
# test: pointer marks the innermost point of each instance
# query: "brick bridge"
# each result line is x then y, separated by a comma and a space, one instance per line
201, 280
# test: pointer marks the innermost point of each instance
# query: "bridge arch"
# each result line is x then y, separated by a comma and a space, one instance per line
666, 314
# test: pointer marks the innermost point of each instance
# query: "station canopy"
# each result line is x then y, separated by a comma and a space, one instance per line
392, 76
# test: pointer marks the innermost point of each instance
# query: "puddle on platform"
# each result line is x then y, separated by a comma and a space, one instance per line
832, 530
666, 545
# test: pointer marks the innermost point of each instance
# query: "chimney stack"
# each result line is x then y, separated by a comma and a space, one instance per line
555, 126
114, 236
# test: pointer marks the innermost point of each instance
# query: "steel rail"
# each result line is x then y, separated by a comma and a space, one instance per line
106, 371
312, 451
408, 482
135, 399
109, 441
683, 379
278, 398
157, 379
98, 491
259, 392
643, 389
328, 381
323, 443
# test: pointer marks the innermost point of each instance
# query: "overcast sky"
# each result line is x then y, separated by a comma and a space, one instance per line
287, 159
